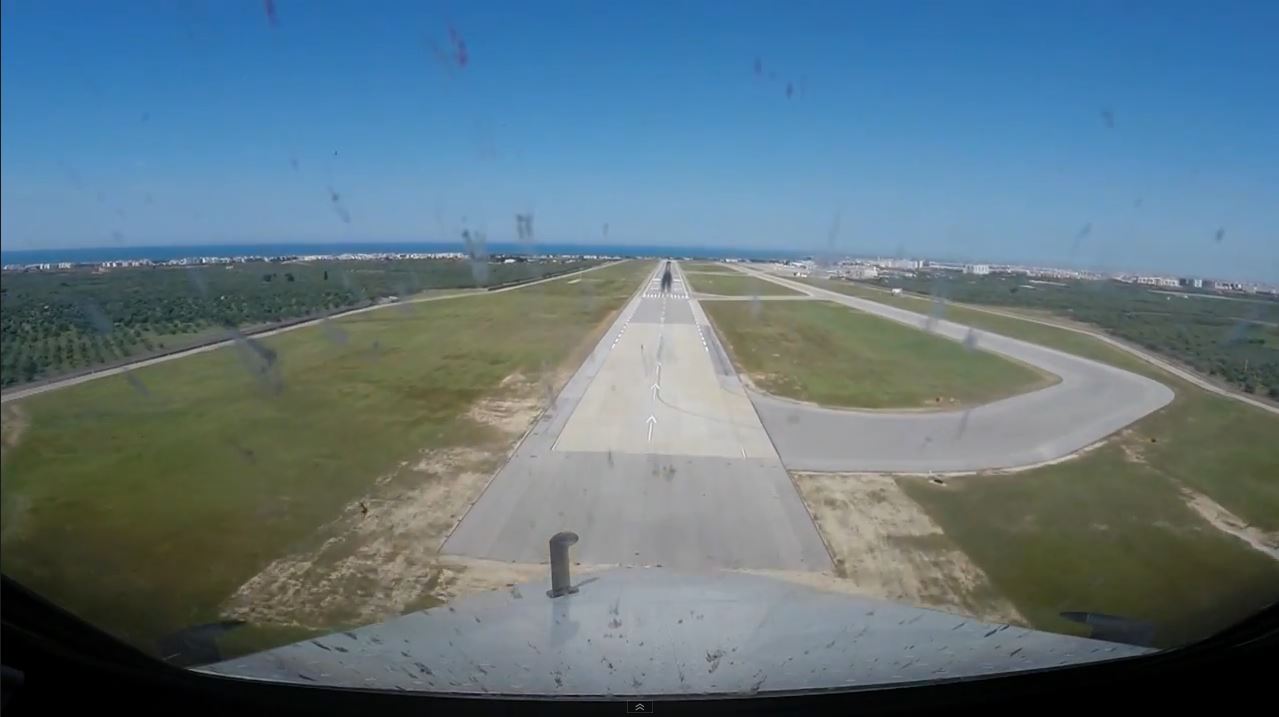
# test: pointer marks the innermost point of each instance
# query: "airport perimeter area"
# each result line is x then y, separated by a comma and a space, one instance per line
638, 419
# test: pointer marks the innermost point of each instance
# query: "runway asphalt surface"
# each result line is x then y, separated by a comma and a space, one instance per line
1091, 401
656, 454
653, 455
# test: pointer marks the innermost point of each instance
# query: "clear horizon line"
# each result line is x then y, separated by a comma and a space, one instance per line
721, 249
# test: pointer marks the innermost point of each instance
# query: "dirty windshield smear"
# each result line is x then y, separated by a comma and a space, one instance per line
471, 348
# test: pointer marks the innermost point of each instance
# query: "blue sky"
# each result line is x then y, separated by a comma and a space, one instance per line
965, 129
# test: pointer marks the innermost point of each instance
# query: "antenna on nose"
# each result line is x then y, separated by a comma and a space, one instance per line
561, 582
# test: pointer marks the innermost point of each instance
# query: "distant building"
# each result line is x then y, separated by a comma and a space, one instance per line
122, 263
1191, 283
859, 271
977, 269
898, 263
1163, 281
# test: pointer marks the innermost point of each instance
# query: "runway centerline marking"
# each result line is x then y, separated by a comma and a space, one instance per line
585, 467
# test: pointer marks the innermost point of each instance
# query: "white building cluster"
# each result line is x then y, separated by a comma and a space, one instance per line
254, 258
1160, 281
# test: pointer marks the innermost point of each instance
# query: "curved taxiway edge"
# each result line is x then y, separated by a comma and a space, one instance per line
1092, 401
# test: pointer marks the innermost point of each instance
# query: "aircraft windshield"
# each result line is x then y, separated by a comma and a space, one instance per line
826, 330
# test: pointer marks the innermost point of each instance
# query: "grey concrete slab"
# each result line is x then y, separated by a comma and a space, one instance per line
658, 393
669, 310
757, 297
678, 290
701, 487
676, 511
1091, 401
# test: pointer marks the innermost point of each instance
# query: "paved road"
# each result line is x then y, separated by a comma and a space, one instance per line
653, 454
1142, 354
1091, 401
24, 392
725, 297
1146, 356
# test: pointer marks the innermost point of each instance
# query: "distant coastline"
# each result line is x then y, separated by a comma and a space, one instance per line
94, 255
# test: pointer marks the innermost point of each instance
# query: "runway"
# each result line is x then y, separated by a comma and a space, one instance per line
656, 454
653, 454
1091, 401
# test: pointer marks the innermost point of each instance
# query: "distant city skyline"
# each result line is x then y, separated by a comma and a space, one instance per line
90, 255
1090, 135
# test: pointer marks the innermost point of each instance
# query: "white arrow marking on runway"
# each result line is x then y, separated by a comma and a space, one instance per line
656, 388
651, 420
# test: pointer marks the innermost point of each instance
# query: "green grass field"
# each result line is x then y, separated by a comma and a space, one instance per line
829, 354
1235, 339
1220, 447
1101, 533
1071, 341
58, 322
142, 507
735, 284
1110, 531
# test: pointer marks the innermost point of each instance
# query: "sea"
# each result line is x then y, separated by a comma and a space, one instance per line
164, 253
